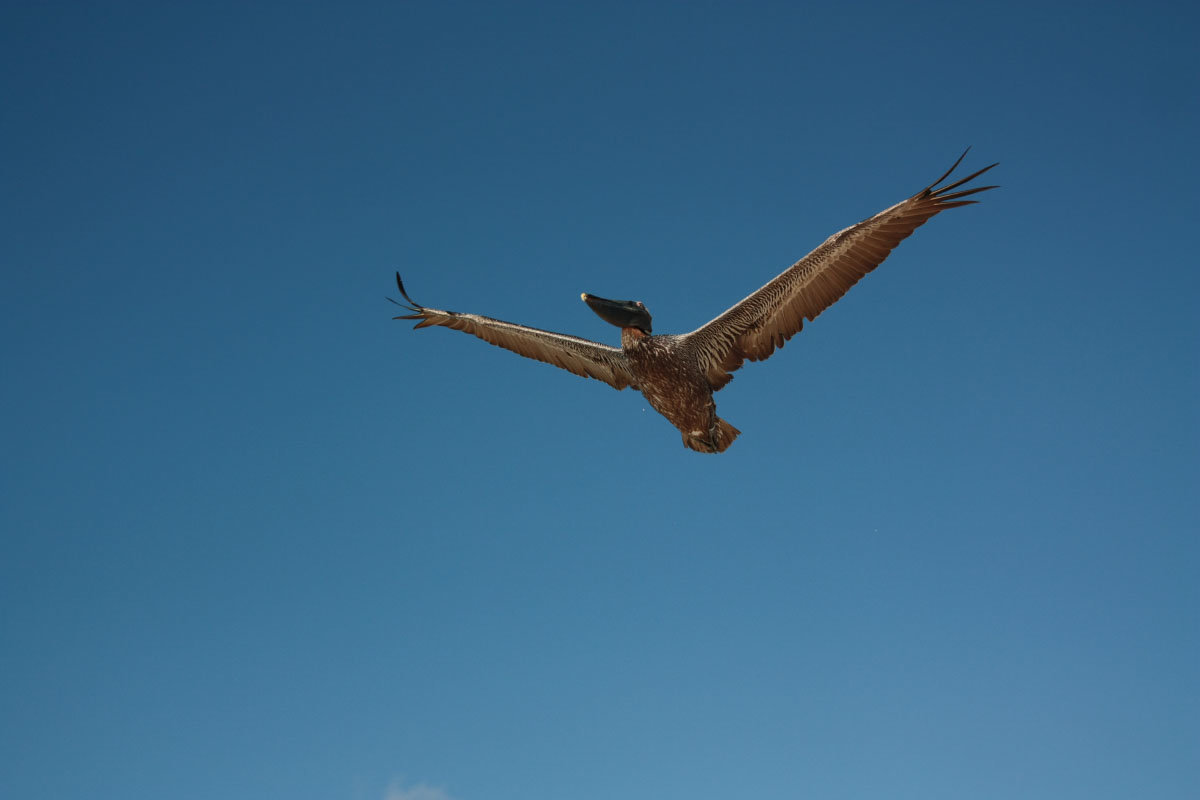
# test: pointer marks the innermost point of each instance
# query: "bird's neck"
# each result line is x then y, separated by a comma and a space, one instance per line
630, 336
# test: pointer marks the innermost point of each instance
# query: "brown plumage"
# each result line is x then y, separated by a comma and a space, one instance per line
679, 373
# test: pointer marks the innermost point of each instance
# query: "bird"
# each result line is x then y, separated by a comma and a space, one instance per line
679, 373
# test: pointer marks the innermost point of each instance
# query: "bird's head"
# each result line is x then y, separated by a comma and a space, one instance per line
622, 313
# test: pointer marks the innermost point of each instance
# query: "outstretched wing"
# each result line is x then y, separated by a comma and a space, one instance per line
754, 328
581, 356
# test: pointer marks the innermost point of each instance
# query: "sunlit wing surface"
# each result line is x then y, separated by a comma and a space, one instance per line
758, 325
582, 357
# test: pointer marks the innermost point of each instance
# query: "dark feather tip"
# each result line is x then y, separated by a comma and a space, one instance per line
400, 286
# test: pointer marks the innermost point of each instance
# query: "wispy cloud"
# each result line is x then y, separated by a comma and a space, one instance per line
397, 790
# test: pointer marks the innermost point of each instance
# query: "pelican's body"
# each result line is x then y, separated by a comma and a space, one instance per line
678, 374
667, 370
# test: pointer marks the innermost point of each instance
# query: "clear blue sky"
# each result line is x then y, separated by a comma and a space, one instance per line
259, 540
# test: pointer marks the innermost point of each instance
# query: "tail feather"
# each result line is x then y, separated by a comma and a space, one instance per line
715, 441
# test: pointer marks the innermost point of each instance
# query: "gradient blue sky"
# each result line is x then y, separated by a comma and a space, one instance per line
261, 541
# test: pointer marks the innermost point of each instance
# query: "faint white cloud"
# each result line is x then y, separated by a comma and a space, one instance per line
397, 790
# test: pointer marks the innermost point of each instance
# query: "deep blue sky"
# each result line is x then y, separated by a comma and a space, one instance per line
259, 540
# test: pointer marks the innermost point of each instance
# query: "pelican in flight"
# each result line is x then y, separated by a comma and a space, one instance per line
678, 373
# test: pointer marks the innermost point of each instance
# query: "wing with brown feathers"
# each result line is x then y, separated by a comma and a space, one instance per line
754, 328
583, 357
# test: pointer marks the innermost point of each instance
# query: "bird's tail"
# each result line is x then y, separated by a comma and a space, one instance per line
715, 441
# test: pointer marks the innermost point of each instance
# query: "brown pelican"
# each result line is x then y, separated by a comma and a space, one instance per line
679, 373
